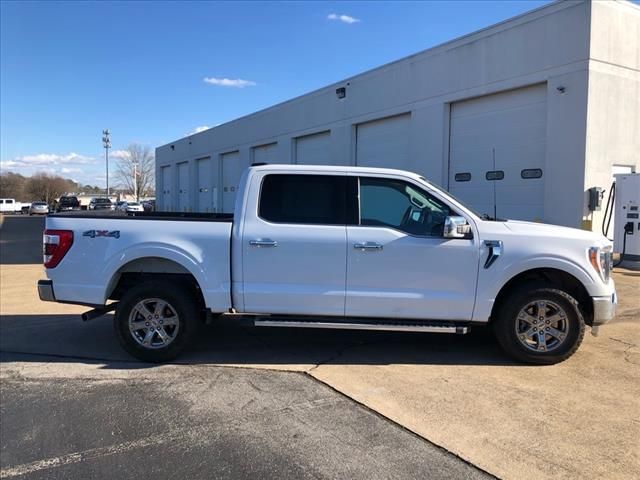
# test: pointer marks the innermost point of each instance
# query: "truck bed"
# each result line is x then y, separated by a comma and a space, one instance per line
105, 244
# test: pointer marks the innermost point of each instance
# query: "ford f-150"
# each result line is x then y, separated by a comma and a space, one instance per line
333, 247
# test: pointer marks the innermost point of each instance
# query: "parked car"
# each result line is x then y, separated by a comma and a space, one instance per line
133, 207
39, 208
9, 205
149, 205
335, 247
68, 203
120, 206
101, 204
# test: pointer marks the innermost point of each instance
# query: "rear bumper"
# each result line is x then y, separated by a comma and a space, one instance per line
604, 309
45, 291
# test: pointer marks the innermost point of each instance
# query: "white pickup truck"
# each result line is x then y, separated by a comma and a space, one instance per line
9, 205
333, 247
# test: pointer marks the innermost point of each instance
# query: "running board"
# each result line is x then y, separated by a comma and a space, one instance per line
389, 327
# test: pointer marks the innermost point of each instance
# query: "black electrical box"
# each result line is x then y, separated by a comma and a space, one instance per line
595, 198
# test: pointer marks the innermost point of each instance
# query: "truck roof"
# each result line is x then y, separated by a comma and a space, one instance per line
334, 169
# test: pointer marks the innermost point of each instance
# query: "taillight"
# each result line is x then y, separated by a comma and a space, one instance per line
56, 244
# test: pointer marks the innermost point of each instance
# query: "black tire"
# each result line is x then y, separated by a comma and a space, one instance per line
513, 317
180, 300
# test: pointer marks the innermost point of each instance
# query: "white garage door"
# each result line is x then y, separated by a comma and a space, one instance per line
313, 149
497, 153
266, 154
207, 185
165, 205
183, 186
384, 142
231, 171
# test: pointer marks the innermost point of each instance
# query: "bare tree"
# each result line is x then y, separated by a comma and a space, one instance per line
45, 187
135, 170
12, 185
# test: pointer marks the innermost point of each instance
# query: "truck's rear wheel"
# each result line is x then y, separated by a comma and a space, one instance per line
155, 321
539, 325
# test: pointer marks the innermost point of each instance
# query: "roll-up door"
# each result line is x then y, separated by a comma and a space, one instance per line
231, 172
497, 153
313, 149
165, 205
183, 187
384, 142
207, 185
266, 154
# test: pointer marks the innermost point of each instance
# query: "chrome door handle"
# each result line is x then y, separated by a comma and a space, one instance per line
367, 246
263, 242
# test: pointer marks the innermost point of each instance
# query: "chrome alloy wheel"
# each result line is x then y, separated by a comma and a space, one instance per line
542, 326
153, 323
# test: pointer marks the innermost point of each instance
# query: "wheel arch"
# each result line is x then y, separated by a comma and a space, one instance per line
151, 268
552, 277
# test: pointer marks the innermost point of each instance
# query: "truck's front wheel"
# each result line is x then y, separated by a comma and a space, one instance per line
540, 325
154, 321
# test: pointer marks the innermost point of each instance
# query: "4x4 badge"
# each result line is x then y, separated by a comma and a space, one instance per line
101, 233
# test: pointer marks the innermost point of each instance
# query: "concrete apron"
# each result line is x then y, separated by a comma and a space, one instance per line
578, 419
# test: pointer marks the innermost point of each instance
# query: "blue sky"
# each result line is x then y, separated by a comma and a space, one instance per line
156, 71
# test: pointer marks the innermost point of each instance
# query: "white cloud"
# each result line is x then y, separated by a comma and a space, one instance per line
67, 170
47, 159
199, 129
120, 154
343, 18
229, 82
81, 167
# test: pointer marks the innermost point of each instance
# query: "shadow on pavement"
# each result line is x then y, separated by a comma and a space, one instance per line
66, 338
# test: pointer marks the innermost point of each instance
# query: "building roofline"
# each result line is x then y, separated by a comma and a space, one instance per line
449, 44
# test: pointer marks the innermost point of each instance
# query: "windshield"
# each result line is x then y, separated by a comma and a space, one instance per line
483, 216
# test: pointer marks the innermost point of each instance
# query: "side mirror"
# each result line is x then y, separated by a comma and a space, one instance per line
456, 227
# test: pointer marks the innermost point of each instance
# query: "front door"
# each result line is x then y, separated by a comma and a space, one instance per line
398, 263
294, 245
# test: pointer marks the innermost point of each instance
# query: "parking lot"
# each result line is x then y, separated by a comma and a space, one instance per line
295, 404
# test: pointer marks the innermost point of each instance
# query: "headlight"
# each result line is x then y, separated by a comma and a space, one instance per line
602, 261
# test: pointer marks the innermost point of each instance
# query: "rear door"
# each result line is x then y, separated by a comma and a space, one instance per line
398, 263
294, 245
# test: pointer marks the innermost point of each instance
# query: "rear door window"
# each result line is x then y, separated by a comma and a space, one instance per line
304, 199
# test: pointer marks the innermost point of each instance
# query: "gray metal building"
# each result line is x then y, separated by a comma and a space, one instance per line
520, 119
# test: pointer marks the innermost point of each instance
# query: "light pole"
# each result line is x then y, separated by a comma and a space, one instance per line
106, 142
135, 180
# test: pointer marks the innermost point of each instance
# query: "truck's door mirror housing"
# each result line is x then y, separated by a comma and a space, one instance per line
456, 227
